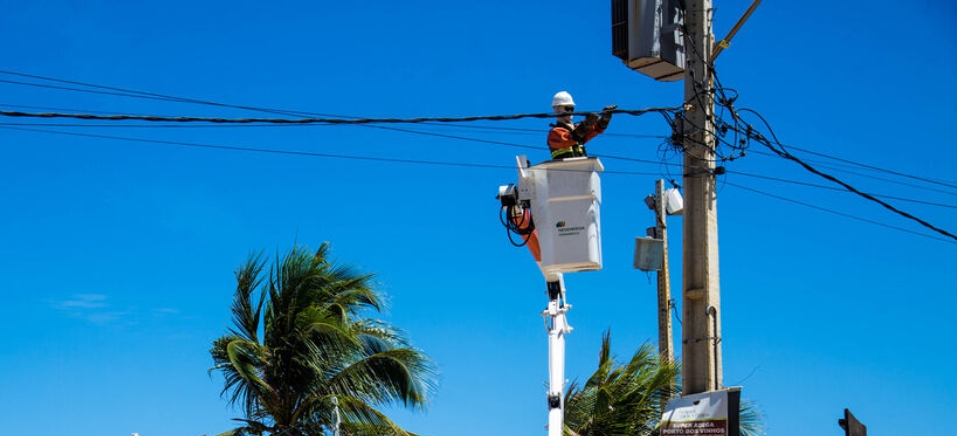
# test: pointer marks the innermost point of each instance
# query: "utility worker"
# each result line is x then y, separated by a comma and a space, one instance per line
567, 139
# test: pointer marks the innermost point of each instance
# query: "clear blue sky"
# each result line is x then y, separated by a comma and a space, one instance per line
117, 256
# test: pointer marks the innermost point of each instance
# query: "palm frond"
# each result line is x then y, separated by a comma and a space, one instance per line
246, 313
619, 398
396, 375
750, 419
306, 339
358, 418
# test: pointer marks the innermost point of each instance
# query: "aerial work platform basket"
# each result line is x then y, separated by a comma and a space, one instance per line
565, 197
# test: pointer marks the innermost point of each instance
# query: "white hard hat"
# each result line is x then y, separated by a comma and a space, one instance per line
563, 98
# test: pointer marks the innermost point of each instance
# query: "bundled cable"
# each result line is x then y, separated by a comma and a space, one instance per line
517, 221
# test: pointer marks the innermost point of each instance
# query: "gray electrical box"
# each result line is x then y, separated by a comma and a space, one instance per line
649, 254
646, 36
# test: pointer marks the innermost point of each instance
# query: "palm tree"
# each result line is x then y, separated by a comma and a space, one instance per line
620, 399
628, 399
301, 360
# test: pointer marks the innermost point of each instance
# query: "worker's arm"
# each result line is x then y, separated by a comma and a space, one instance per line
559, 138
597, 130
606, 114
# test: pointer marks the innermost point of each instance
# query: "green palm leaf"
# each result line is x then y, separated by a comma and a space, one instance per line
301, 337
628, 398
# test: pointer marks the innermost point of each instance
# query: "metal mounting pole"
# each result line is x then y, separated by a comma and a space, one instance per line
557, 323
665, 335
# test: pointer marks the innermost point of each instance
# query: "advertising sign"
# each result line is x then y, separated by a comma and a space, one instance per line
712, 413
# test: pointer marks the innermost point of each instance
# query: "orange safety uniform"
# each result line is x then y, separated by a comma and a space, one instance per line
561, 143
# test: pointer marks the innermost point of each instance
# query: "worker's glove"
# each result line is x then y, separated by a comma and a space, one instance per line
584, 127
578, 134
606, 116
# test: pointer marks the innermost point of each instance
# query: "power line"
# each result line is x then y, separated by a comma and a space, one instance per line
125, 92
441, 135
182, 125
777, 148
185, 119
832, 188
65, 88
841, 168
465, 138
357, 121
840, 213
838, 168
48, 108
370, 121
158, 125
291, 152
259, 150
284, 121
161, 126
784, 154
896, 173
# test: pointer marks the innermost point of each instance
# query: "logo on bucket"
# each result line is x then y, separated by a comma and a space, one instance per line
563, 230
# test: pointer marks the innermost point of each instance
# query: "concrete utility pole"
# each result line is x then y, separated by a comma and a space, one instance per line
701, 298
665, 339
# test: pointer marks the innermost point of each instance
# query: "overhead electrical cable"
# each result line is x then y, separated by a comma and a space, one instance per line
834, 188
311, 120
786, 155
91, 91
486, 141
125, 92
370, 122
289, 152
896, 173
441, 135
181, 125
48, 108
704, 95
137, 93
159, 125
259, 150
936, 238
299, 113
840, 168
749, 134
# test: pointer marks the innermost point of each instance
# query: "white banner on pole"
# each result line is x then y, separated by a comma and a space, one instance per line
704, 414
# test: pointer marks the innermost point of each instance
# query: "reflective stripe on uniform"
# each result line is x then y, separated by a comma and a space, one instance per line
575, 150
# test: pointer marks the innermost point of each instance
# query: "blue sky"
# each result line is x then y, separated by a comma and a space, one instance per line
118, 254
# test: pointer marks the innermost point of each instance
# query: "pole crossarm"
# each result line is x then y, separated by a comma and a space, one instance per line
726, 42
